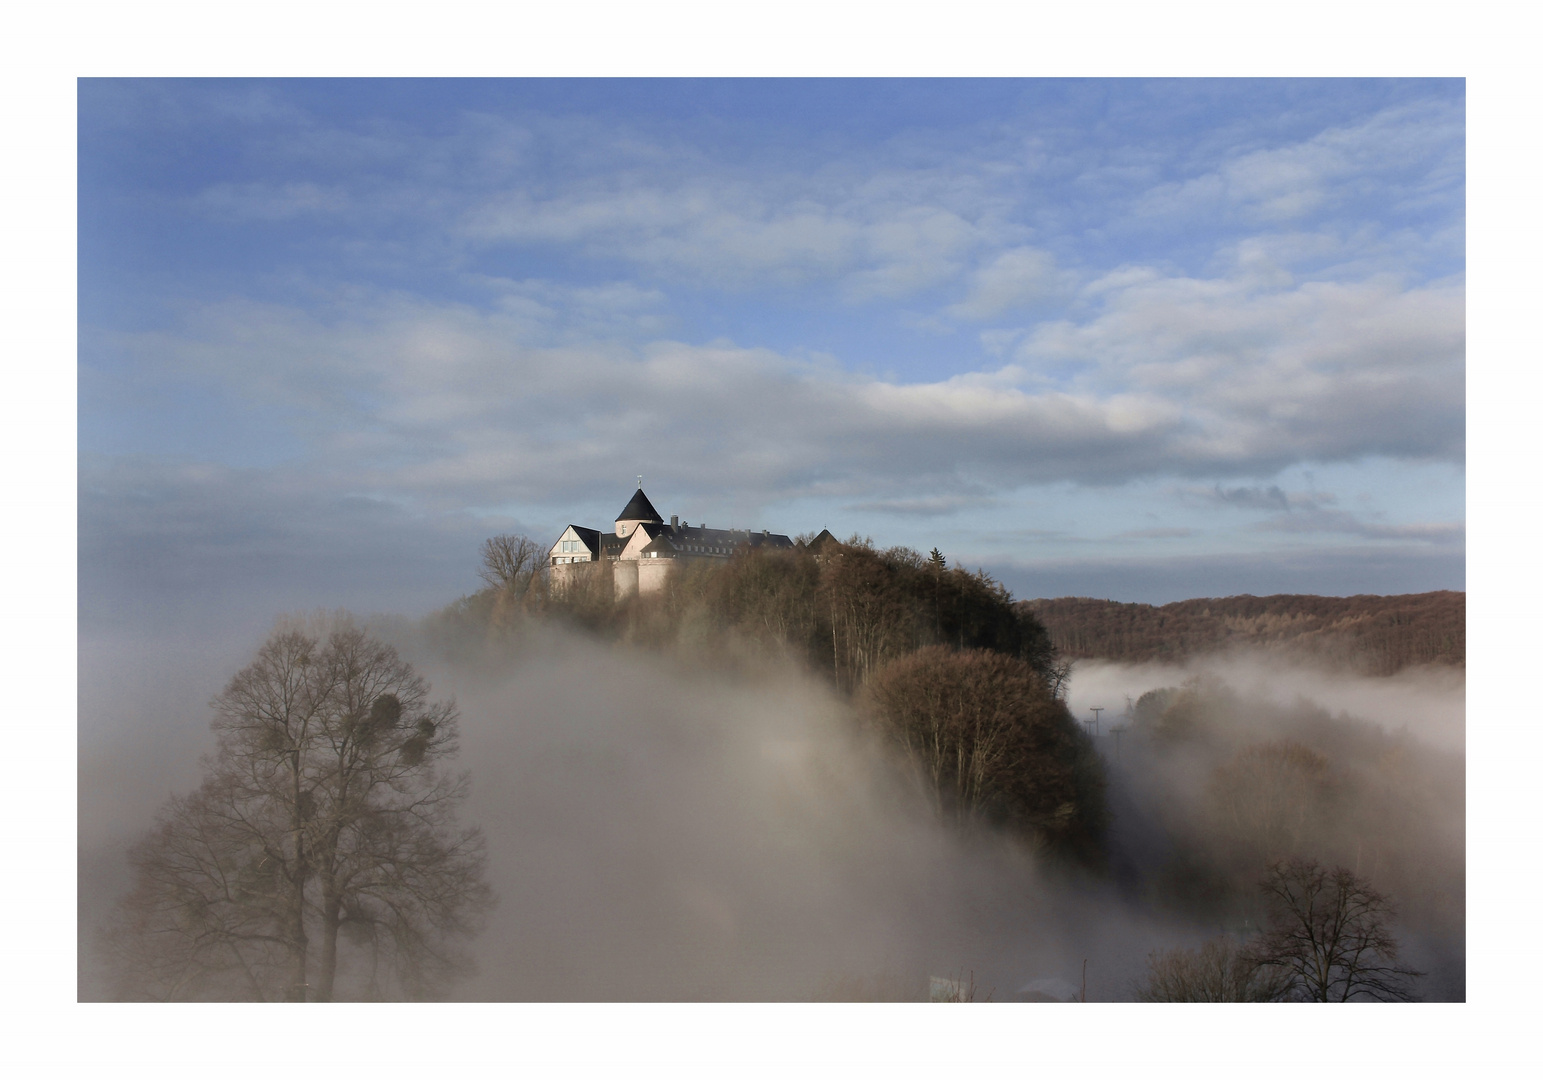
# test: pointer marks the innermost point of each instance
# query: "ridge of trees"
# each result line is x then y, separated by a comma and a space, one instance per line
845, 610
1374, 635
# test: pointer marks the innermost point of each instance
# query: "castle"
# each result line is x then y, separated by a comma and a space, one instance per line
642, 551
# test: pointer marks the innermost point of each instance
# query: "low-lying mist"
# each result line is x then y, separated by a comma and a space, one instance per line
1225, 763
659, 833
1427, 702
662, 830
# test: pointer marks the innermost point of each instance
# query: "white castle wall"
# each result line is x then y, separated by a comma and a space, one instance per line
624, 576
652, 574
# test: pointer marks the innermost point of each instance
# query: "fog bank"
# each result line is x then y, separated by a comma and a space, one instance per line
656, 834
1430, 703
658, 831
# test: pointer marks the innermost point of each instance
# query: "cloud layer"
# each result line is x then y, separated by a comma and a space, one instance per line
501, 305
1171, 377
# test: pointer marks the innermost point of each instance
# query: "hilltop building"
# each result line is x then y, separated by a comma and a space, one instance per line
641, 551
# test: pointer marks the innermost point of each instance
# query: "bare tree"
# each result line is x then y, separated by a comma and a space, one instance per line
1217, 971
991, 740
870, 619
323, 821
512, 562
957, 989
1329, 932
1059, 678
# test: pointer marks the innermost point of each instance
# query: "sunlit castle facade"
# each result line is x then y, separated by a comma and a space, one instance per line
642, 551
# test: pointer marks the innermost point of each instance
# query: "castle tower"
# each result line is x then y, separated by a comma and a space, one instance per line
638, 511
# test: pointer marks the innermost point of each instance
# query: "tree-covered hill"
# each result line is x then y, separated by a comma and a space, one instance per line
938, 660
843, 609
1375, 635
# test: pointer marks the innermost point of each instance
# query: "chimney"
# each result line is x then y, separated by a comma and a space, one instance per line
674, 521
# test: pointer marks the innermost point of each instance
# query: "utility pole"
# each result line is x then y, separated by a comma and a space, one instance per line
1124, 725
1095, 710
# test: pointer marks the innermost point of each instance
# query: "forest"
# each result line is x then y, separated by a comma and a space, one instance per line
1373, 635
888, 717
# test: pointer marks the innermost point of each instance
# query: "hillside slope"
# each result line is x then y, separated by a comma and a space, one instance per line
1376, 635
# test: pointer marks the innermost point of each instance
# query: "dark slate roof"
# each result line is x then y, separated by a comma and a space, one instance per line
590, 537
639, 509
686, 540
823, 541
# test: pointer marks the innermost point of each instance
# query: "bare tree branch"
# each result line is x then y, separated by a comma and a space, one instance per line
324, 807
1218, 971
511, 562
1330, 932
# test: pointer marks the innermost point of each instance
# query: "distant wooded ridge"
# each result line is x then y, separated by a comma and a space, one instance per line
1376, 635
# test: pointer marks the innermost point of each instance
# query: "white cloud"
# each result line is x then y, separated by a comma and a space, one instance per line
1314, 519
736, 234
1409, 152
873, 221
1173, 376
936, 506
1159, 533
1254, 497
269, 201
1019, 278
1318, 370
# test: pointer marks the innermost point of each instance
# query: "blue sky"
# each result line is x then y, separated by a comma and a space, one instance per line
1136, 339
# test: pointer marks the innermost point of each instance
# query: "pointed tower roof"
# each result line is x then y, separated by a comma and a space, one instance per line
823, 541
639, 509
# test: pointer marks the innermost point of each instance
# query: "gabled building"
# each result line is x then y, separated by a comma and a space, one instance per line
641, 550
